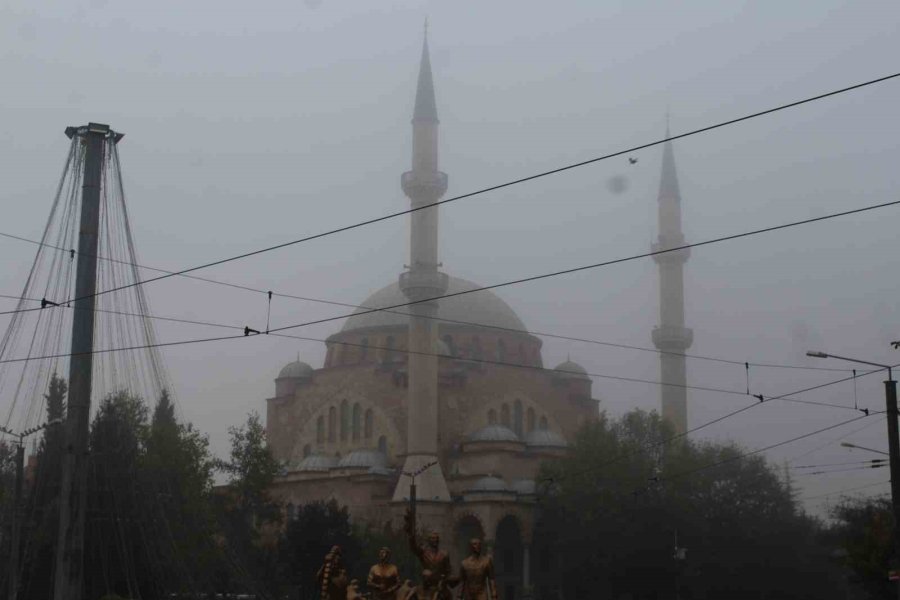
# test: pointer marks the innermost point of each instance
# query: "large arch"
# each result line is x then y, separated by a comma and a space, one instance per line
467, 527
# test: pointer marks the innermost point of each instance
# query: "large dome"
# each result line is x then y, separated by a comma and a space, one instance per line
484, 308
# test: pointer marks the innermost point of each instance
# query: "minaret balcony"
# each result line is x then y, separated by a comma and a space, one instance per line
424, 186
422, 284
672, 339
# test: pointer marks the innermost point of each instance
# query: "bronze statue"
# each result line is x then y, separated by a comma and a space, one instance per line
476, 574
384, 578
436, 572
332, 576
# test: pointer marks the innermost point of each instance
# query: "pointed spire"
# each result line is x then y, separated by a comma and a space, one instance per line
426, 107
668, 181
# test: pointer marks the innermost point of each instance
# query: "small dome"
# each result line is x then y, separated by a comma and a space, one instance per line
523, 487
489, 484
317, 462
571, 370
296, 370
365, 458
494, 433
544, 438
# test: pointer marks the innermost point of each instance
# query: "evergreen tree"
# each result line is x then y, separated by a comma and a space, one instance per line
42, 527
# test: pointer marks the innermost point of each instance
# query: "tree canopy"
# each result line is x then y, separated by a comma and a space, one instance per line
618, 504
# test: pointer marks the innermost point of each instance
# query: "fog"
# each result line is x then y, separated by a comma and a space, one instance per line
251, 125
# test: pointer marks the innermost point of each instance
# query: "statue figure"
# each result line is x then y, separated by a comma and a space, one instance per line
384, 578
476, 574
436, 572
332, 576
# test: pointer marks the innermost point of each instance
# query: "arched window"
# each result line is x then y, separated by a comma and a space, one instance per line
504, 415
529, 420
364, 349
543, 425
320, 429
501, 350
517, 417
492, 417
332, 424
369, 422
357, 421
382, 445
448, 340
389, 349
307, 450
345, 420
477, 352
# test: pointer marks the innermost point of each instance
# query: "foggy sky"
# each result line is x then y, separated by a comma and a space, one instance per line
249, 125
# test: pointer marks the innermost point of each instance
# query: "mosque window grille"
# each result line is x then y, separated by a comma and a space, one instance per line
345, 420
382, 444
368, 424
332, 424
357, 421
320, 430
543, 424
518, 418
477, 351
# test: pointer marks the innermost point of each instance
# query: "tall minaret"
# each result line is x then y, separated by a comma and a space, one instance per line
423, 185
671, 336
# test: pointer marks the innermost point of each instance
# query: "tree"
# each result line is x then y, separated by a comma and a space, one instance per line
864, 530
613, 507
41, 528
177, 471
249, 516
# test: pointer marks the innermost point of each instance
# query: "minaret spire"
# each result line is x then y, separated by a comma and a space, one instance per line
424, 184
671, 336
426, 107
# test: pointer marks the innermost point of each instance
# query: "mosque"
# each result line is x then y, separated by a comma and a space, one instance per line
459, 382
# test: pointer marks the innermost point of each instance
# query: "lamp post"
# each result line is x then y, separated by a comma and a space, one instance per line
890, 398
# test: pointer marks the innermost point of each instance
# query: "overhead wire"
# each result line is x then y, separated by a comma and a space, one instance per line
513, 183
545, 334
464, 359
846, 490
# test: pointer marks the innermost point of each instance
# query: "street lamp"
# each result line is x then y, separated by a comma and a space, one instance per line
890, 399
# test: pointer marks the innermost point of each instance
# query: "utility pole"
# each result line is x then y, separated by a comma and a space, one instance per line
890, 400
69, 574
16, 537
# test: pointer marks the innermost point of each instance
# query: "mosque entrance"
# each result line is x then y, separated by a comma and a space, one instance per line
467, 528
508, 558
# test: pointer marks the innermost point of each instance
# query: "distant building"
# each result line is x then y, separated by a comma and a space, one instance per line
342, 431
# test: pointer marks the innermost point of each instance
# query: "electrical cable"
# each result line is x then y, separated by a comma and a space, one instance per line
440, 355
436, 318
845, 490
509, 184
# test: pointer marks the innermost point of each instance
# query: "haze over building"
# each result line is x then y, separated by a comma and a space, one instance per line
458, 381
